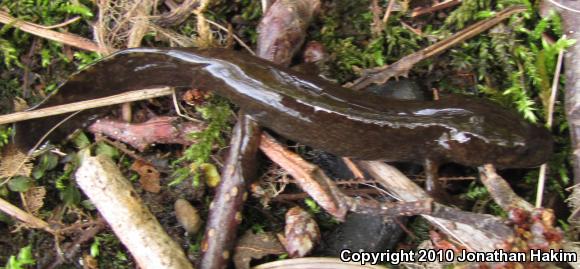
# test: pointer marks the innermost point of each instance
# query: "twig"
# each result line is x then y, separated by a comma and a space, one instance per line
65, 38
82, 105
240, 41
404, 65
38, 143
24, 217
388, 11
443, 5
356, 172
178, 14
550, 116
303, 195
62, 24
72, 250
226, 208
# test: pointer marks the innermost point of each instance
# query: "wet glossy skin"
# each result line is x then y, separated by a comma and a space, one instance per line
315, 112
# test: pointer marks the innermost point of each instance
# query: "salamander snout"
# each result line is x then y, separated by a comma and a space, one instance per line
537, 149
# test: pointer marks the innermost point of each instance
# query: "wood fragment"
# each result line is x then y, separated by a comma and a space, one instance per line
132, 222
41, 31
373, 207
477, 232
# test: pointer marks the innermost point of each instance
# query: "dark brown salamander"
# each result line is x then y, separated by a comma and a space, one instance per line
312, 111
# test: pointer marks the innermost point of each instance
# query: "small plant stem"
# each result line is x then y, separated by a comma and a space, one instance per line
544, 167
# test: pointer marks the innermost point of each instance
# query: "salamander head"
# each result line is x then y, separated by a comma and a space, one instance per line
536, 150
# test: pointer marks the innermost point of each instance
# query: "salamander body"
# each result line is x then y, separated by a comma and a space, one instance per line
310, 110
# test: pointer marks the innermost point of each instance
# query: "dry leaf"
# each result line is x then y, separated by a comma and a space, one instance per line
89, 262
301, 232
255, 246
14, 162
187, 216
148, 176
20, 104
34, 199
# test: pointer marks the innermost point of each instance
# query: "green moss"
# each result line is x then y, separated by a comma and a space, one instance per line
217, 113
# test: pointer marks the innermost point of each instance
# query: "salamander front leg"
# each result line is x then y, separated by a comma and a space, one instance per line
432, 184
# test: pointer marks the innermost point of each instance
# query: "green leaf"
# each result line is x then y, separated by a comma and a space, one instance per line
81, 140
70, 195
45, 57
87, 204
38, 172
5, 218
48, 161
95, 247
312, 205
20, 184
24, 258
107, 150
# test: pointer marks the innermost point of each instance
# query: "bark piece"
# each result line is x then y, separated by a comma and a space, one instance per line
283, 28
131, 221
308, 176
159, 130
301, 232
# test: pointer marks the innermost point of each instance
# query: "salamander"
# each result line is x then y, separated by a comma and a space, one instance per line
307, 109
